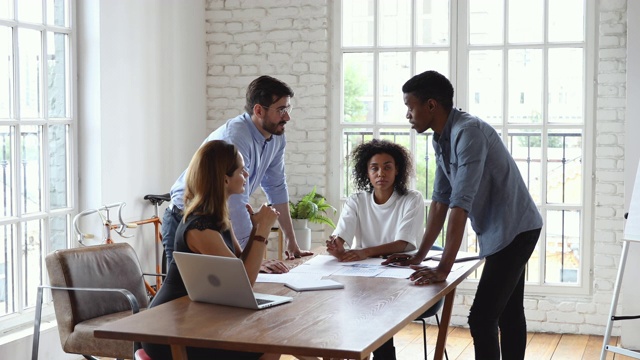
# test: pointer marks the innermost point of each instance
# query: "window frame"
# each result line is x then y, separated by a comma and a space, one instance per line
23, 315
458, 43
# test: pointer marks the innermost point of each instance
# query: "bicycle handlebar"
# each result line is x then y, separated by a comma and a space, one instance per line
121, 229
106, 220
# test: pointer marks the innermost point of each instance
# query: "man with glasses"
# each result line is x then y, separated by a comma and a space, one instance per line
259, 136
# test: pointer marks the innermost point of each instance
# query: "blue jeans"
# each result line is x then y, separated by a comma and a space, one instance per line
499, 302
170, 221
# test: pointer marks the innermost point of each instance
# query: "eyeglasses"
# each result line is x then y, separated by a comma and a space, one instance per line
281, 110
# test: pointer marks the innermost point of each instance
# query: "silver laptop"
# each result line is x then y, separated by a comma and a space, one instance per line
221, 280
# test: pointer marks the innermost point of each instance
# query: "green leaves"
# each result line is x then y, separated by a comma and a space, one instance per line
313, 207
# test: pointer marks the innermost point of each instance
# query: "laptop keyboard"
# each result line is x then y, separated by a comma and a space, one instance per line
263, 301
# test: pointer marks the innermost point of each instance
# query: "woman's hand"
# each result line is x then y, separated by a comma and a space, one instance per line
353, 255
403, 259
335, 246
264, 219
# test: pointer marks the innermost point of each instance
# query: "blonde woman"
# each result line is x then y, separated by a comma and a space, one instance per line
216, 172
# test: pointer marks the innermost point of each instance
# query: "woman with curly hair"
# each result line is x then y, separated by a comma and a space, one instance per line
384, 217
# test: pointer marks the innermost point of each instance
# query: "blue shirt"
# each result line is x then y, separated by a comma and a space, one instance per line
263, 160
476, 173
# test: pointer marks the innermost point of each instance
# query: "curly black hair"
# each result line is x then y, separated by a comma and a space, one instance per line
365, 151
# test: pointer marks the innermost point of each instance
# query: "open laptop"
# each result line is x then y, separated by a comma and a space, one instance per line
221, 280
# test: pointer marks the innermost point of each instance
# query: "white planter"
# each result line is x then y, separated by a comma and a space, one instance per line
302, 233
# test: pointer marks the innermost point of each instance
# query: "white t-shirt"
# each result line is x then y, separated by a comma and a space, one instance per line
371, 224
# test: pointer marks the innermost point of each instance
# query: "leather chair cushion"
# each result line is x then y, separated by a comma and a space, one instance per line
82, 341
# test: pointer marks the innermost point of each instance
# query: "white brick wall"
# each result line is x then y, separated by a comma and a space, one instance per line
284, 39
290, 40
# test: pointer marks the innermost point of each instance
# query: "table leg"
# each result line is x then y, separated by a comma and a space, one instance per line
444, 325
179, 352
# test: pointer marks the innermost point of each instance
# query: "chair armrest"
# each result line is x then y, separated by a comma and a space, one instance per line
154, 274
135, 306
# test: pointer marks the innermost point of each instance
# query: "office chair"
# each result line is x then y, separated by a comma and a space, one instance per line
432, 311
92, 286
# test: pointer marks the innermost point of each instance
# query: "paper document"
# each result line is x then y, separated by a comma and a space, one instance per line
360, 270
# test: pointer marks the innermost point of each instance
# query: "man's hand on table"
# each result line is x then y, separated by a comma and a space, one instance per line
426, 275
294, 252
273, 267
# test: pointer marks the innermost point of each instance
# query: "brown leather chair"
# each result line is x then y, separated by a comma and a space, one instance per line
92, 286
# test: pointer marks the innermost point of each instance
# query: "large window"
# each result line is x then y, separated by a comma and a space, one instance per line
519, 65
36, 142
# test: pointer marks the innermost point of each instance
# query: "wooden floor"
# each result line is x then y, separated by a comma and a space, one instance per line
541, 346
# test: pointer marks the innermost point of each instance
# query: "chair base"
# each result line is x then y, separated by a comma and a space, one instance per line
424, 336
142, 355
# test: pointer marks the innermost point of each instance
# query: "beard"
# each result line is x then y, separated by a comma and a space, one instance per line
272, 128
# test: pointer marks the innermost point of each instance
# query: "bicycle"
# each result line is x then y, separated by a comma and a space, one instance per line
120, 229
155, 200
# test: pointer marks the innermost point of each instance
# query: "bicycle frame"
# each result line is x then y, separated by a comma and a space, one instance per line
157, 223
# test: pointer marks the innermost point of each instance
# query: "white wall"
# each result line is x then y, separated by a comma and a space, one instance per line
141, 113
630, 291
142, 101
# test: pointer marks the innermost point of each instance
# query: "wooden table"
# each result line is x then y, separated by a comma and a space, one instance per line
347, 323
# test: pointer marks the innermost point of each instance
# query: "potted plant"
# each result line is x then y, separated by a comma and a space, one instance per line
311, 207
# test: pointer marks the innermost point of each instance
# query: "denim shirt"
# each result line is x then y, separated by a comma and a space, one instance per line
476, 173
263, 160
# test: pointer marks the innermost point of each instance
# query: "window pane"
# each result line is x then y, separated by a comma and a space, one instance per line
525, 147
566, 20
57, 66
395, 23
485, 85
397, 136
31, 259
486, 19
59, 229
425, 163
57, 12
6, 12
7, 262
358, 87
432, 22
7, 140
432, 60
526, 21
58, 166
352, 137
532, 271
31, 168
564, 167
357, 23
394, 72
6, 62
566, 86
30, 11
525, 86
563, 246
30, 44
